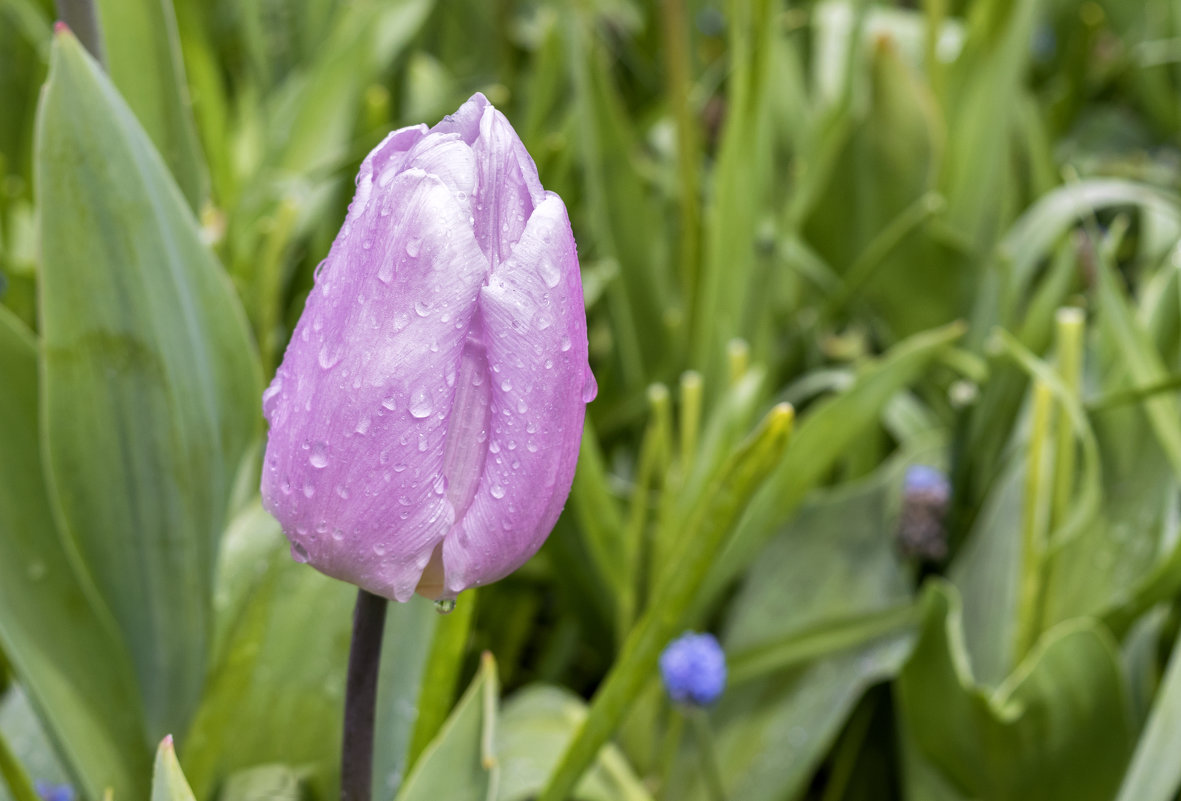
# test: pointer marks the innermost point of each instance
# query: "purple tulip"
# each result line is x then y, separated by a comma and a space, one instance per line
426, 418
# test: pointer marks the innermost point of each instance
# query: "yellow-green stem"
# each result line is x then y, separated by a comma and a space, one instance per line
1034, 523
1070, 327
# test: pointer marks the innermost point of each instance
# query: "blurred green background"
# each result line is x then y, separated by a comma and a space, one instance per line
945, 232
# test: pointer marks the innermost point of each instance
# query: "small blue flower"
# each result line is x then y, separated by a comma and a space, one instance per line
926, 494
921, 478
54, 792
694, 669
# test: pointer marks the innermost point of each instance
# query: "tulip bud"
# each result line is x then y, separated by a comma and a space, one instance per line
426, 419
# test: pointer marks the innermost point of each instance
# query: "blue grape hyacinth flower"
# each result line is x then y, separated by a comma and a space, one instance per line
693, 667
54, 792
926, 494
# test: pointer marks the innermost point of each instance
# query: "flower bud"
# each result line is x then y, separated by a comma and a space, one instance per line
426, 419
926, 494
693, 667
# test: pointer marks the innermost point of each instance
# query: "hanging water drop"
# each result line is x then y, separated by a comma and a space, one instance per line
445, 606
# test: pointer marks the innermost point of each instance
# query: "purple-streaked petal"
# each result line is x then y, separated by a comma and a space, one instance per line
535, 340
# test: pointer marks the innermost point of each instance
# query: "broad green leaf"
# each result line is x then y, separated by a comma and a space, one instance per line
444, 660
833, 564
1058, 728
28, 740
13, 774
1155, 773
142, 49
406, 670
461, 764
708, 529
800, 711
533, 729
168, 780
277, 693
72, 666
150, 381
269, 782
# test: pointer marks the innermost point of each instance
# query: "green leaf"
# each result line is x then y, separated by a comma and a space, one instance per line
142, 49
708, 529
14, 775
533, 730
444, 660
274, 697
1058, 728
825, 433
149, 376
1155, 773
168, 780
461, 765
406, 670
824, 612
73, 668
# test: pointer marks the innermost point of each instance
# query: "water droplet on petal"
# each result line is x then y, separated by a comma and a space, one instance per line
329, 356
299, 553
422, 309
565, 344
497, 491
420, 404
590, 387
308, 490
379, 549
343, 492
413, 247
445, 606
390, 402
319, 457
550, 272
506, 385
521, 407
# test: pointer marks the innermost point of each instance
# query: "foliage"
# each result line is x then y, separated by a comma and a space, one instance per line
946, 233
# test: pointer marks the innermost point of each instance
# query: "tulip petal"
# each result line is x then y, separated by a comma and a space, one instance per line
509, 189
535, 340
358, 485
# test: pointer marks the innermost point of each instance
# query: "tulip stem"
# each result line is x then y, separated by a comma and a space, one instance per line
360, 702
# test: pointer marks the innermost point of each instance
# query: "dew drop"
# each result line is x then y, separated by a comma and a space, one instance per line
379, 549
413, 247
337, 534
285, 487
445, 606
422, 309
319, 457
399, 467
521, 407
506, 385
343, 492
497, 491
531, 446
494, 447
420, 404
550, 272
329, 356
590, 387
565, 344
308, 490
299, 553
390, 402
